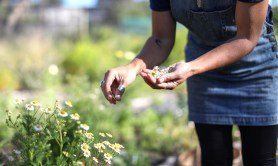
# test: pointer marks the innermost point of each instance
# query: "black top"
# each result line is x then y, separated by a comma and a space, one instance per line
164, 5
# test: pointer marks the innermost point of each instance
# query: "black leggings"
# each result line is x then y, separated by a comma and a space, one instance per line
259, 144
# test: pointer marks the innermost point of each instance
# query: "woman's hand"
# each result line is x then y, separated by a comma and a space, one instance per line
113, 79
179, 73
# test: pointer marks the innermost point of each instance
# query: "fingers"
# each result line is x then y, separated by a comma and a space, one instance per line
168, 81
119, 91
168, 85
168, 77
147, 78
106, 87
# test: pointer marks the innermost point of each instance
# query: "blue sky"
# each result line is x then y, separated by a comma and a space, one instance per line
79, 3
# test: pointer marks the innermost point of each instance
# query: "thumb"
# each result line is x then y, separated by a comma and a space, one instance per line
120, 90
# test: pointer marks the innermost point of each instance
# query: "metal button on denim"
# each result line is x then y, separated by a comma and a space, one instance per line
272, 39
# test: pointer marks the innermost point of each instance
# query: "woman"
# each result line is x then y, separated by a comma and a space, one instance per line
231, 71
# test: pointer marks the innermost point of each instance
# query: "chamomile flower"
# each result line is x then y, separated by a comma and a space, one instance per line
68, 103
75, 116
18, 101
48, 110
66, 153
116, 147
37, 128
17, 152
100, 147
62, 113
107, 143
95, 159
102, 135
85, 147
108, 157
29, 107
89, 135
85, 127
35, 103
87, 153
109, 135
10, 158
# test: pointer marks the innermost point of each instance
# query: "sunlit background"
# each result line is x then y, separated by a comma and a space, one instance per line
60, 49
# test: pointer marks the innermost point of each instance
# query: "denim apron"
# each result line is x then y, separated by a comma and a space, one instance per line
243, 93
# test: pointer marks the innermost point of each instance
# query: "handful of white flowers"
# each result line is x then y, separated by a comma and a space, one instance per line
158, 72
54, 136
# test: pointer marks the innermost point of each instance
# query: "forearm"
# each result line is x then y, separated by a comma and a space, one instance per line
154, 52
223, 55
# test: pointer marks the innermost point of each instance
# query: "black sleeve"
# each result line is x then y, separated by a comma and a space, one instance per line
160, 5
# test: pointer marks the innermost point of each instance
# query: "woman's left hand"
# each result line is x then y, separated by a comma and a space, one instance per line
179, 73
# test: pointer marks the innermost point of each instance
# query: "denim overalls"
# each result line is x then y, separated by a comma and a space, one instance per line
244, 93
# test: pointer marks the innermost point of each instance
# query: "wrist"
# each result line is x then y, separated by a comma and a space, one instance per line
193, 68
137, 65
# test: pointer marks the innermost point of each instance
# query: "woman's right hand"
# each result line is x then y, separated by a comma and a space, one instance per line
114, 78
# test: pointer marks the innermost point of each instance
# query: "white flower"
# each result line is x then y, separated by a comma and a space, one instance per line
18, 101
66, 153
53, 69
35, 103
100, 147
89, 135
108, 157
95, 159
10, 158
62, 113
68, 103
29, 107
85, 127
17, 152
109, 135
37, 128
116, 147
102, 135
87, 153
79, 163
48, 110
85, 147
75, 116
106, 143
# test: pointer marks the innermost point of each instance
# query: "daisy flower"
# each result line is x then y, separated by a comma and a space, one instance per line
87, 153
95, 159
108, 157
18, 101
48, 110
85, 127
63, 113
89, 135
75, 116
35, 103
106, 143
100, 147
85, 147
68, 103
109, 135
37, 128
102, 134
29, 107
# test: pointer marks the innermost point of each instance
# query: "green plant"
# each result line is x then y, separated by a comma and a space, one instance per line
53, 136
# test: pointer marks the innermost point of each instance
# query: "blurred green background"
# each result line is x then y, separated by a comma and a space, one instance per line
61, 49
